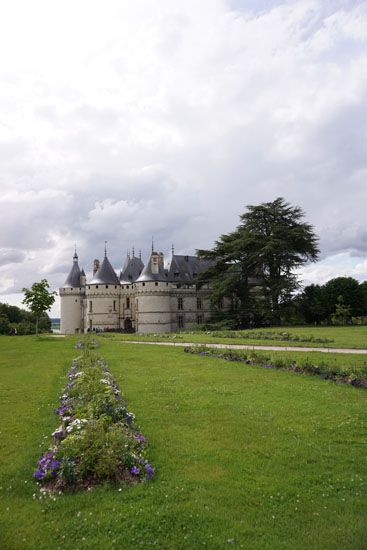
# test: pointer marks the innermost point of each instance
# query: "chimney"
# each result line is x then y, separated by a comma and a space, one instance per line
154, 263
161, 260
95, 266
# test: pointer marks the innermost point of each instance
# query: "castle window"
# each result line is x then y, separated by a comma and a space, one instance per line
90, 307
114, 305
88, 287
136, 304
180, 321
199, 319
180, 303
156, 284
115, 286
127, 303
199, 303
106, 286
143, 284
76, 300
96, 286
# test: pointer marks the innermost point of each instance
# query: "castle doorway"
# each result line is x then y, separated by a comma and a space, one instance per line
128, 326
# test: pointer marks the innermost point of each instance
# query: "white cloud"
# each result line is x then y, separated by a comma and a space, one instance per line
137, 118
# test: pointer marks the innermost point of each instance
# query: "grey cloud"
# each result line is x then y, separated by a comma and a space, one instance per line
11, 257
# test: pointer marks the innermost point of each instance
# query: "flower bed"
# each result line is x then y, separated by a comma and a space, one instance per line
97, 439
323, 370
269, 335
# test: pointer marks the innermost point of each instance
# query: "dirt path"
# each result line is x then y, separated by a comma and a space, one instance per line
249, 347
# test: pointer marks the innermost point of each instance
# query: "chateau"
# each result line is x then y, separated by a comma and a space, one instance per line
144, 298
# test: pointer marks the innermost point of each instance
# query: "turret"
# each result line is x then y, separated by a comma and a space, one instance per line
71, 300
103, 298
152, 304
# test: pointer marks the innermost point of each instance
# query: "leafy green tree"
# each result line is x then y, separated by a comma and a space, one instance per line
342, 313
39, 299
363, 287
4, 324
265, 250
311, 304
349, 289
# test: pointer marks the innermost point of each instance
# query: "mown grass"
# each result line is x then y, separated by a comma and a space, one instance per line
343, 337
244, 456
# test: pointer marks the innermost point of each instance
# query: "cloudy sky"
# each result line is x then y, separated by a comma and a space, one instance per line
122, 119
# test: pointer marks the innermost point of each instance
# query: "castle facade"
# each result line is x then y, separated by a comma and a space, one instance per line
143, 298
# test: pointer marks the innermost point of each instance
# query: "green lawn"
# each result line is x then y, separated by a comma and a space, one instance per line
245, 457
343, 337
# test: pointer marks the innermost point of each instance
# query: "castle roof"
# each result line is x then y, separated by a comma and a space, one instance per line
105, 274
132, 269
148, 275
187, 268
73, 279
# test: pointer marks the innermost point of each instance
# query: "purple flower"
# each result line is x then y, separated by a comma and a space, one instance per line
149, 470
62, 410
140, 437
135, 470
46, 459
39, 474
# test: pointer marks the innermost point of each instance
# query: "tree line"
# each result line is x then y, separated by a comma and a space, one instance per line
14, 320
340, 301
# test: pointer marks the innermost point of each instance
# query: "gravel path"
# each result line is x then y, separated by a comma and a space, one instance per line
244, 346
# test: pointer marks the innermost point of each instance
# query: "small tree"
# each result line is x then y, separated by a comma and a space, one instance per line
342, 312
39, 299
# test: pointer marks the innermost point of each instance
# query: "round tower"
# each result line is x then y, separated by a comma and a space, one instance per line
72, 295
102, 311
152, 297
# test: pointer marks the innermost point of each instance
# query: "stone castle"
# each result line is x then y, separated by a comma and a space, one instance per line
144, 298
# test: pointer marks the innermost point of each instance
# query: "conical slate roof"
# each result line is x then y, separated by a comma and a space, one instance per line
131, 270
148, 275
105, 274
73, 279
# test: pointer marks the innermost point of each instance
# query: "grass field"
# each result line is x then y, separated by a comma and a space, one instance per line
245, 457
343, 337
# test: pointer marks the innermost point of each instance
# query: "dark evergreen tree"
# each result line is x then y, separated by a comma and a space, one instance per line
270, 243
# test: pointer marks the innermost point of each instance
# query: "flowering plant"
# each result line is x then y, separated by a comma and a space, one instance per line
97, 439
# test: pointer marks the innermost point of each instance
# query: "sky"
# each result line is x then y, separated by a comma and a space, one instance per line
124, 120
